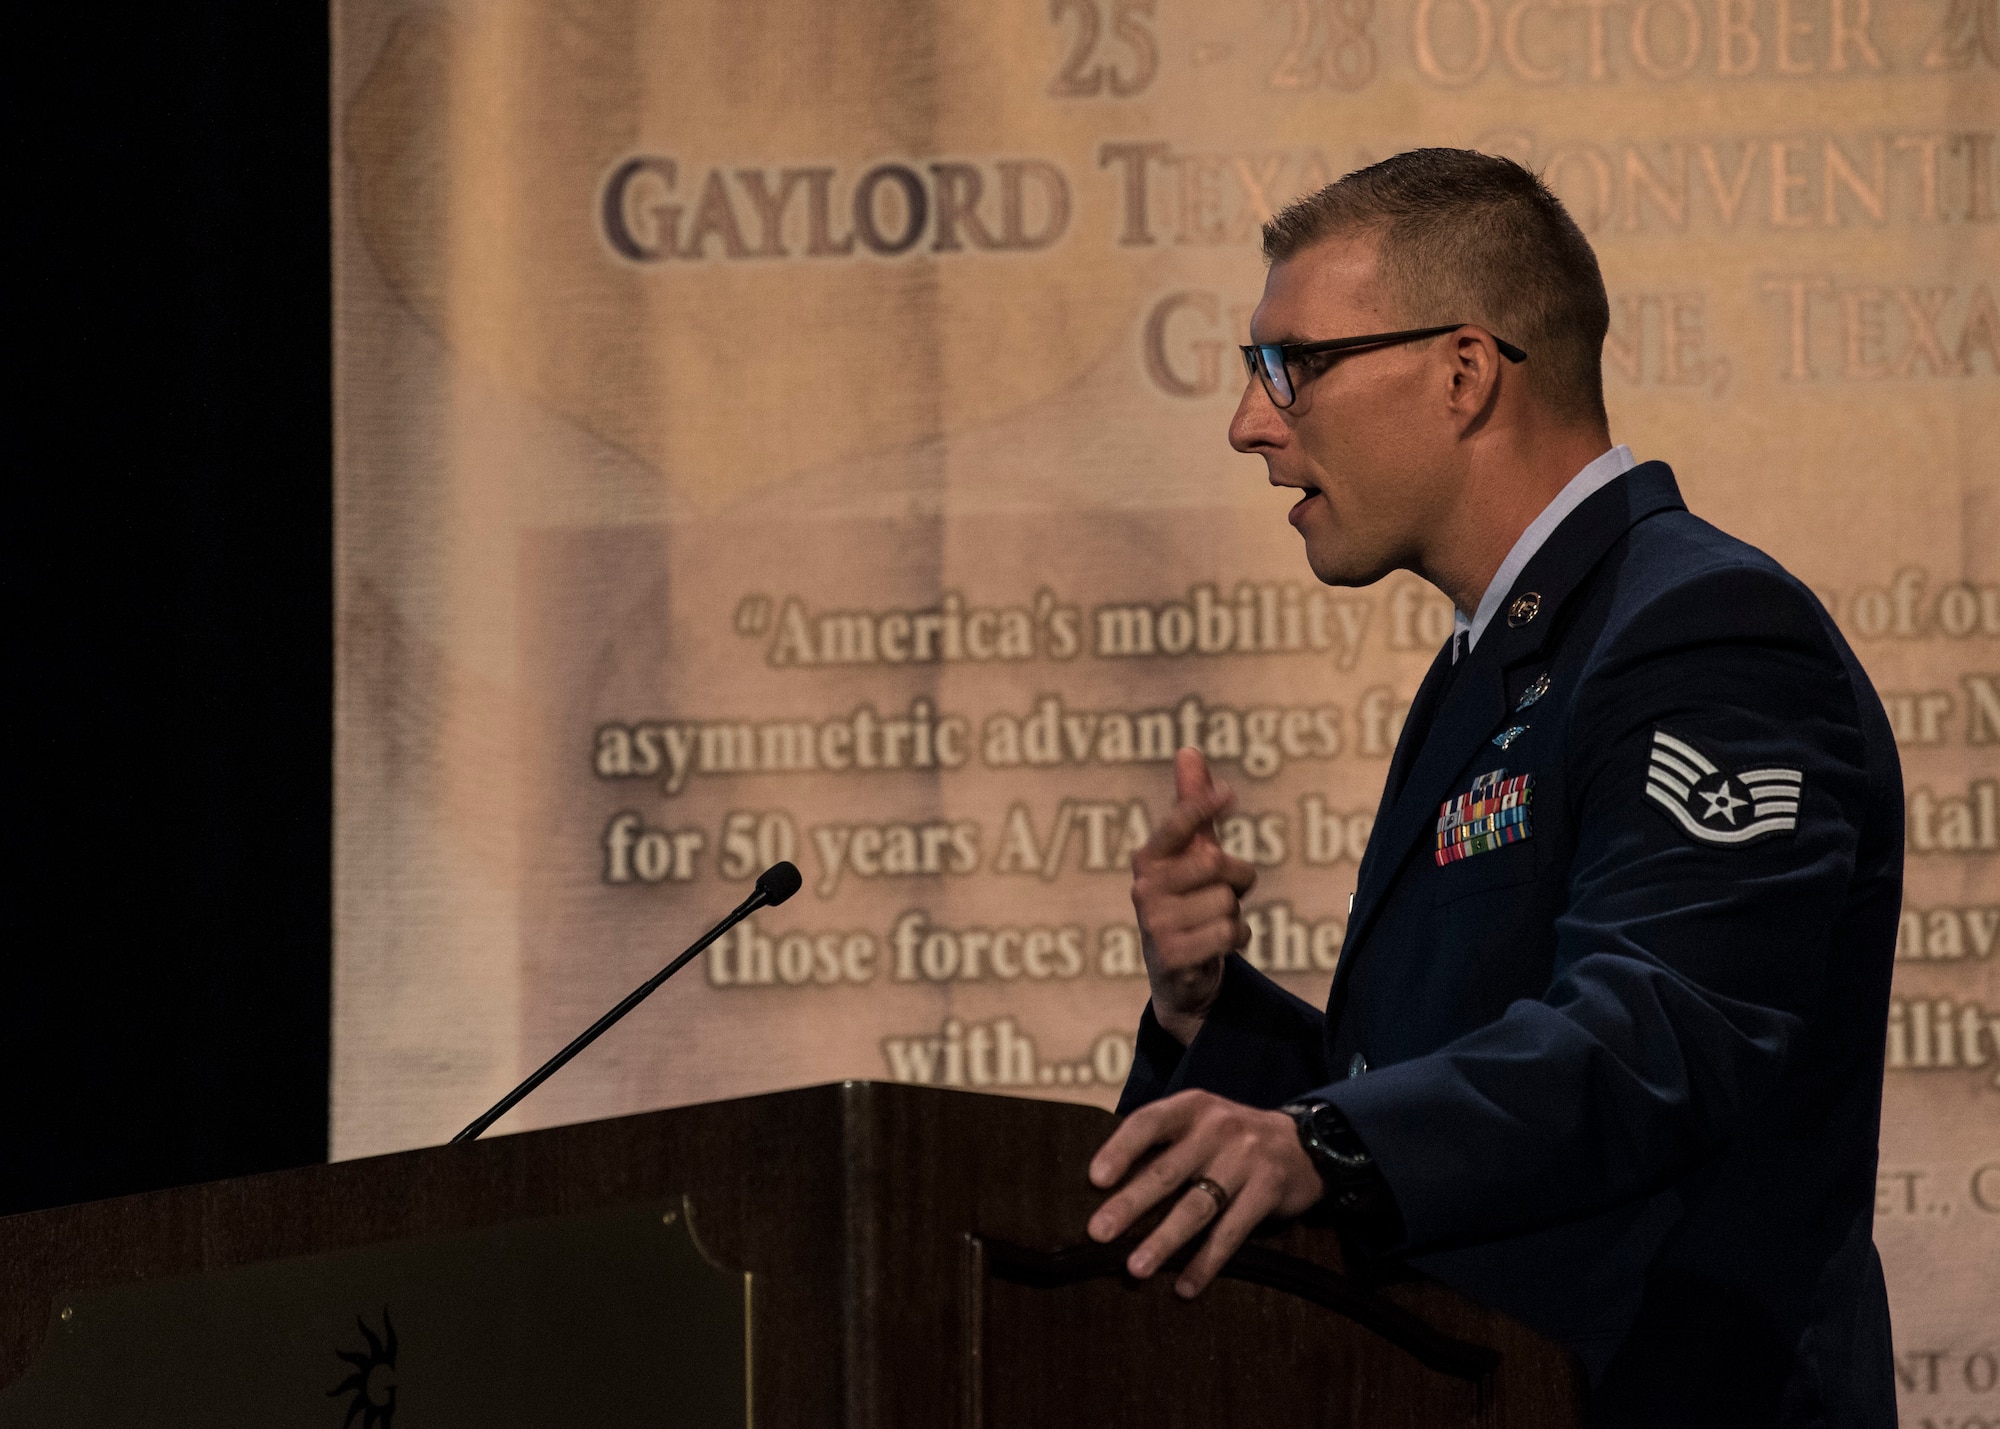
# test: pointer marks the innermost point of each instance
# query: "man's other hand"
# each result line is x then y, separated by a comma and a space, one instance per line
1253, 1156
1187, 893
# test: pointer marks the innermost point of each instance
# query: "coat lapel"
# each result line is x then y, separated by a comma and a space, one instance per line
1470, 711
1422, 715
1438, 684
1477, 697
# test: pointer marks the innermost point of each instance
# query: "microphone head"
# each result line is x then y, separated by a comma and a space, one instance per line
778, 882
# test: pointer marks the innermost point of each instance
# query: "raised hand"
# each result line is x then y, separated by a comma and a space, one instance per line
1187, 893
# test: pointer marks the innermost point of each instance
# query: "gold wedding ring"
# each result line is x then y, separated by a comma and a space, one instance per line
1215, 1191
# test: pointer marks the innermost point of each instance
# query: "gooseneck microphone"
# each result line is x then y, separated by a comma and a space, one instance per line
774, 885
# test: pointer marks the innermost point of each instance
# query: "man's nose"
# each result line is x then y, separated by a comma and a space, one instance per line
1256, 425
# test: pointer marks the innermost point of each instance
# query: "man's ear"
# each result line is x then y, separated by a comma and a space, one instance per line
1473, 372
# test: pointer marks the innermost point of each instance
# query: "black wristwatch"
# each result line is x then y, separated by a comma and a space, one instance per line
1356, 1192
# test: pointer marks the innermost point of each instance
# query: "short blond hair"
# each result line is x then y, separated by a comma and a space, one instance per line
1470, 237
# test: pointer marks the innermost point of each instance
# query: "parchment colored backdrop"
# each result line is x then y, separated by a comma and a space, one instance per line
797, 430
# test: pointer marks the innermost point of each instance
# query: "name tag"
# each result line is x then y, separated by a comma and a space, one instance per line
1492, 813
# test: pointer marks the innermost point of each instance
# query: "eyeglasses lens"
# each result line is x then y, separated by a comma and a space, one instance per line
1271, 368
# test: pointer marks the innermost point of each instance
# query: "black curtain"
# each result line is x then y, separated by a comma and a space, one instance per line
164, 974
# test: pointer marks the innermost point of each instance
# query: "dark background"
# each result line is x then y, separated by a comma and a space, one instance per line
167, 569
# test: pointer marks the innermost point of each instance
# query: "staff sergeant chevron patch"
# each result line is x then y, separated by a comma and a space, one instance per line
1716, 806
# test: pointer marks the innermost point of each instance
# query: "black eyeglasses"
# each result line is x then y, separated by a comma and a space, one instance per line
1270, 362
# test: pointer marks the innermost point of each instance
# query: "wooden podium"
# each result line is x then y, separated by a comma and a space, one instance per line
860, 1254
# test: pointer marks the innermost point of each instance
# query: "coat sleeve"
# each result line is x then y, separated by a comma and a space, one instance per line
1259, 1045
1688, 971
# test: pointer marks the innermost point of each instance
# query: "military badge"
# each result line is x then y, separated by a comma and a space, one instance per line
1716, 806
1494, 813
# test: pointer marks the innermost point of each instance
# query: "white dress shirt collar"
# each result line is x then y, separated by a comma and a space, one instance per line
1606, 469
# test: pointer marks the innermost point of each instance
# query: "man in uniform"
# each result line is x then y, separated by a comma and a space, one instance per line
1604, 1049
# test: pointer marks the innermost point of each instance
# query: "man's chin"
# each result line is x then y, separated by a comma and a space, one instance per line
1341, 568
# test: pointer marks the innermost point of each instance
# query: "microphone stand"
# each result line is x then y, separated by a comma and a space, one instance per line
777, 883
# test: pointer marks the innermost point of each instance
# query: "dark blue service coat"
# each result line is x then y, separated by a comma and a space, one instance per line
1622, 1020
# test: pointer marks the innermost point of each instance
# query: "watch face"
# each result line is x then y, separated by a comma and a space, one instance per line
1324, 1122
1313, 1120
1329, 1139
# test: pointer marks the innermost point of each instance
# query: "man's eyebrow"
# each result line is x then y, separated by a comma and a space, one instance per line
1284, 339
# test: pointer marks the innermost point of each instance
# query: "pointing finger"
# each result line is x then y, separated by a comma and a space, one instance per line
1192, 780
1187, 819
1203, 866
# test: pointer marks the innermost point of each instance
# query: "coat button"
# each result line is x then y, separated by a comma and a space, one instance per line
1525, 608
1356, 1065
